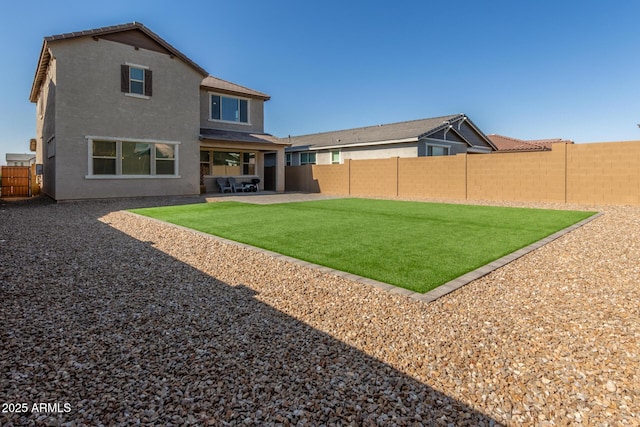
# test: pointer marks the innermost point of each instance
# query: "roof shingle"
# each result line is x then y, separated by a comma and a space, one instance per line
215, 83
385, 132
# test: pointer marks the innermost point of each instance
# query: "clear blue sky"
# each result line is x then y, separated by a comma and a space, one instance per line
527, 69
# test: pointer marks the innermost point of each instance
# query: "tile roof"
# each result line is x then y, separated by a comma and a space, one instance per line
506, 143
377, 133
234, 136
215, 83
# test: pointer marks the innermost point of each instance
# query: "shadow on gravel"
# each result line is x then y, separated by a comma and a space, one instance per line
103, 329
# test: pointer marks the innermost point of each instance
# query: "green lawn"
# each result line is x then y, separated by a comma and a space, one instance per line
417, 246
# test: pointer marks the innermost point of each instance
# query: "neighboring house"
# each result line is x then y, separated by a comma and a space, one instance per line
438, 136
122, 113
506, 143
14, 159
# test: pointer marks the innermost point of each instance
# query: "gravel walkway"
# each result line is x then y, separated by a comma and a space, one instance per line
111, 319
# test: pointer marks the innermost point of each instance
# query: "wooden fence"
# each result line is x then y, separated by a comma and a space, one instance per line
16, 181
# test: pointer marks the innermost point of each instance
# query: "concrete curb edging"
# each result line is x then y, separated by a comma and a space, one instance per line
427, 297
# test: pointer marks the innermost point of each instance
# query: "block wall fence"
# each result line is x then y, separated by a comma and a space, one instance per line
599, 173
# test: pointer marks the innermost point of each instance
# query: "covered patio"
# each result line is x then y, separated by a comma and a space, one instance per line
243, 156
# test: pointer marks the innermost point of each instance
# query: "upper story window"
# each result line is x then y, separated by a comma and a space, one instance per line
229, 109
136, 80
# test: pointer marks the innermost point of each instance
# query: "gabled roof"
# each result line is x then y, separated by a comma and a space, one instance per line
224, 86
133, 30
386, 133
506, 143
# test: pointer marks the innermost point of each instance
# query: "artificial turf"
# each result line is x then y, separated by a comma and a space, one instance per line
414, 245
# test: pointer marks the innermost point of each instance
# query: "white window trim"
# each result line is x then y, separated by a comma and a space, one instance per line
130, 64
247, 123
136, 95
90, 174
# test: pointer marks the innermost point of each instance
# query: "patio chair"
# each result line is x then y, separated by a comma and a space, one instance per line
237, 186
224, 184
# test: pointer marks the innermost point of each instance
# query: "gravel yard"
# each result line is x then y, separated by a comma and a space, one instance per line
113, 319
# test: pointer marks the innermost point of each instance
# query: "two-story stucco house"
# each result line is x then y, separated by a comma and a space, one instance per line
122, 113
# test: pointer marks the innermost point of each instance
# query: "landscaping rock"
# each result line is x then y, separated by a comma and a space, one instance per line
124, 321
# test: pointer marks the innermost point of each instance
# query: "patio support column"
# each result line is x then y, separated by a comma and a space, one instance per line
280, 163
260, 168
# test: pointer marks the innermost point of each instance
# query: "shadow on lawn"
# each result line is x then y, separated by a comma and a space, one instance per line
120, 331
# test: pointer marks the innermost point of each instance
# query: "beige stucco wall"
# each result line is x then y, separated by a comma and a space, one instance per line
373, 152
89, 102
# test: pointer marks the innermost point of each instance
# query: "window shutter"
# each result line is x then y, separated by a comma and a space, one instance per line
124, 78
148, 83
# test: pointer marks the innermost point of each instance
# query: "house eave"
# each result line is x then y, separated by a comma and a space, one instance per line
358, 144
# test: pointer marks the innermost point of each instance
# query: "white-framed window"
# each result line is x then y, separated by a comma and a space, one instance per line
132, 158
308, 158
335, 157
436, 150
227, 163
287, 159
136, 80
225, 108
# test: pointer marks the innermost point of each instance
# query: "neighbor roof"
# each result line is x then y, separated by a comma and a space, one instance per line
224, 86
392, 132
506, 143
12, 157
45, 57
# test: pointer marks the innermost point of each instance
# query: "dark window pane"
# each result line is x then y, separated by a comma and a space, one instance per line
136, 73
244, 111
137, 88
229, 109
204, 156
104, 148
248, 169
221, 158
104, 166
165, 167
136, 158
215, 107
